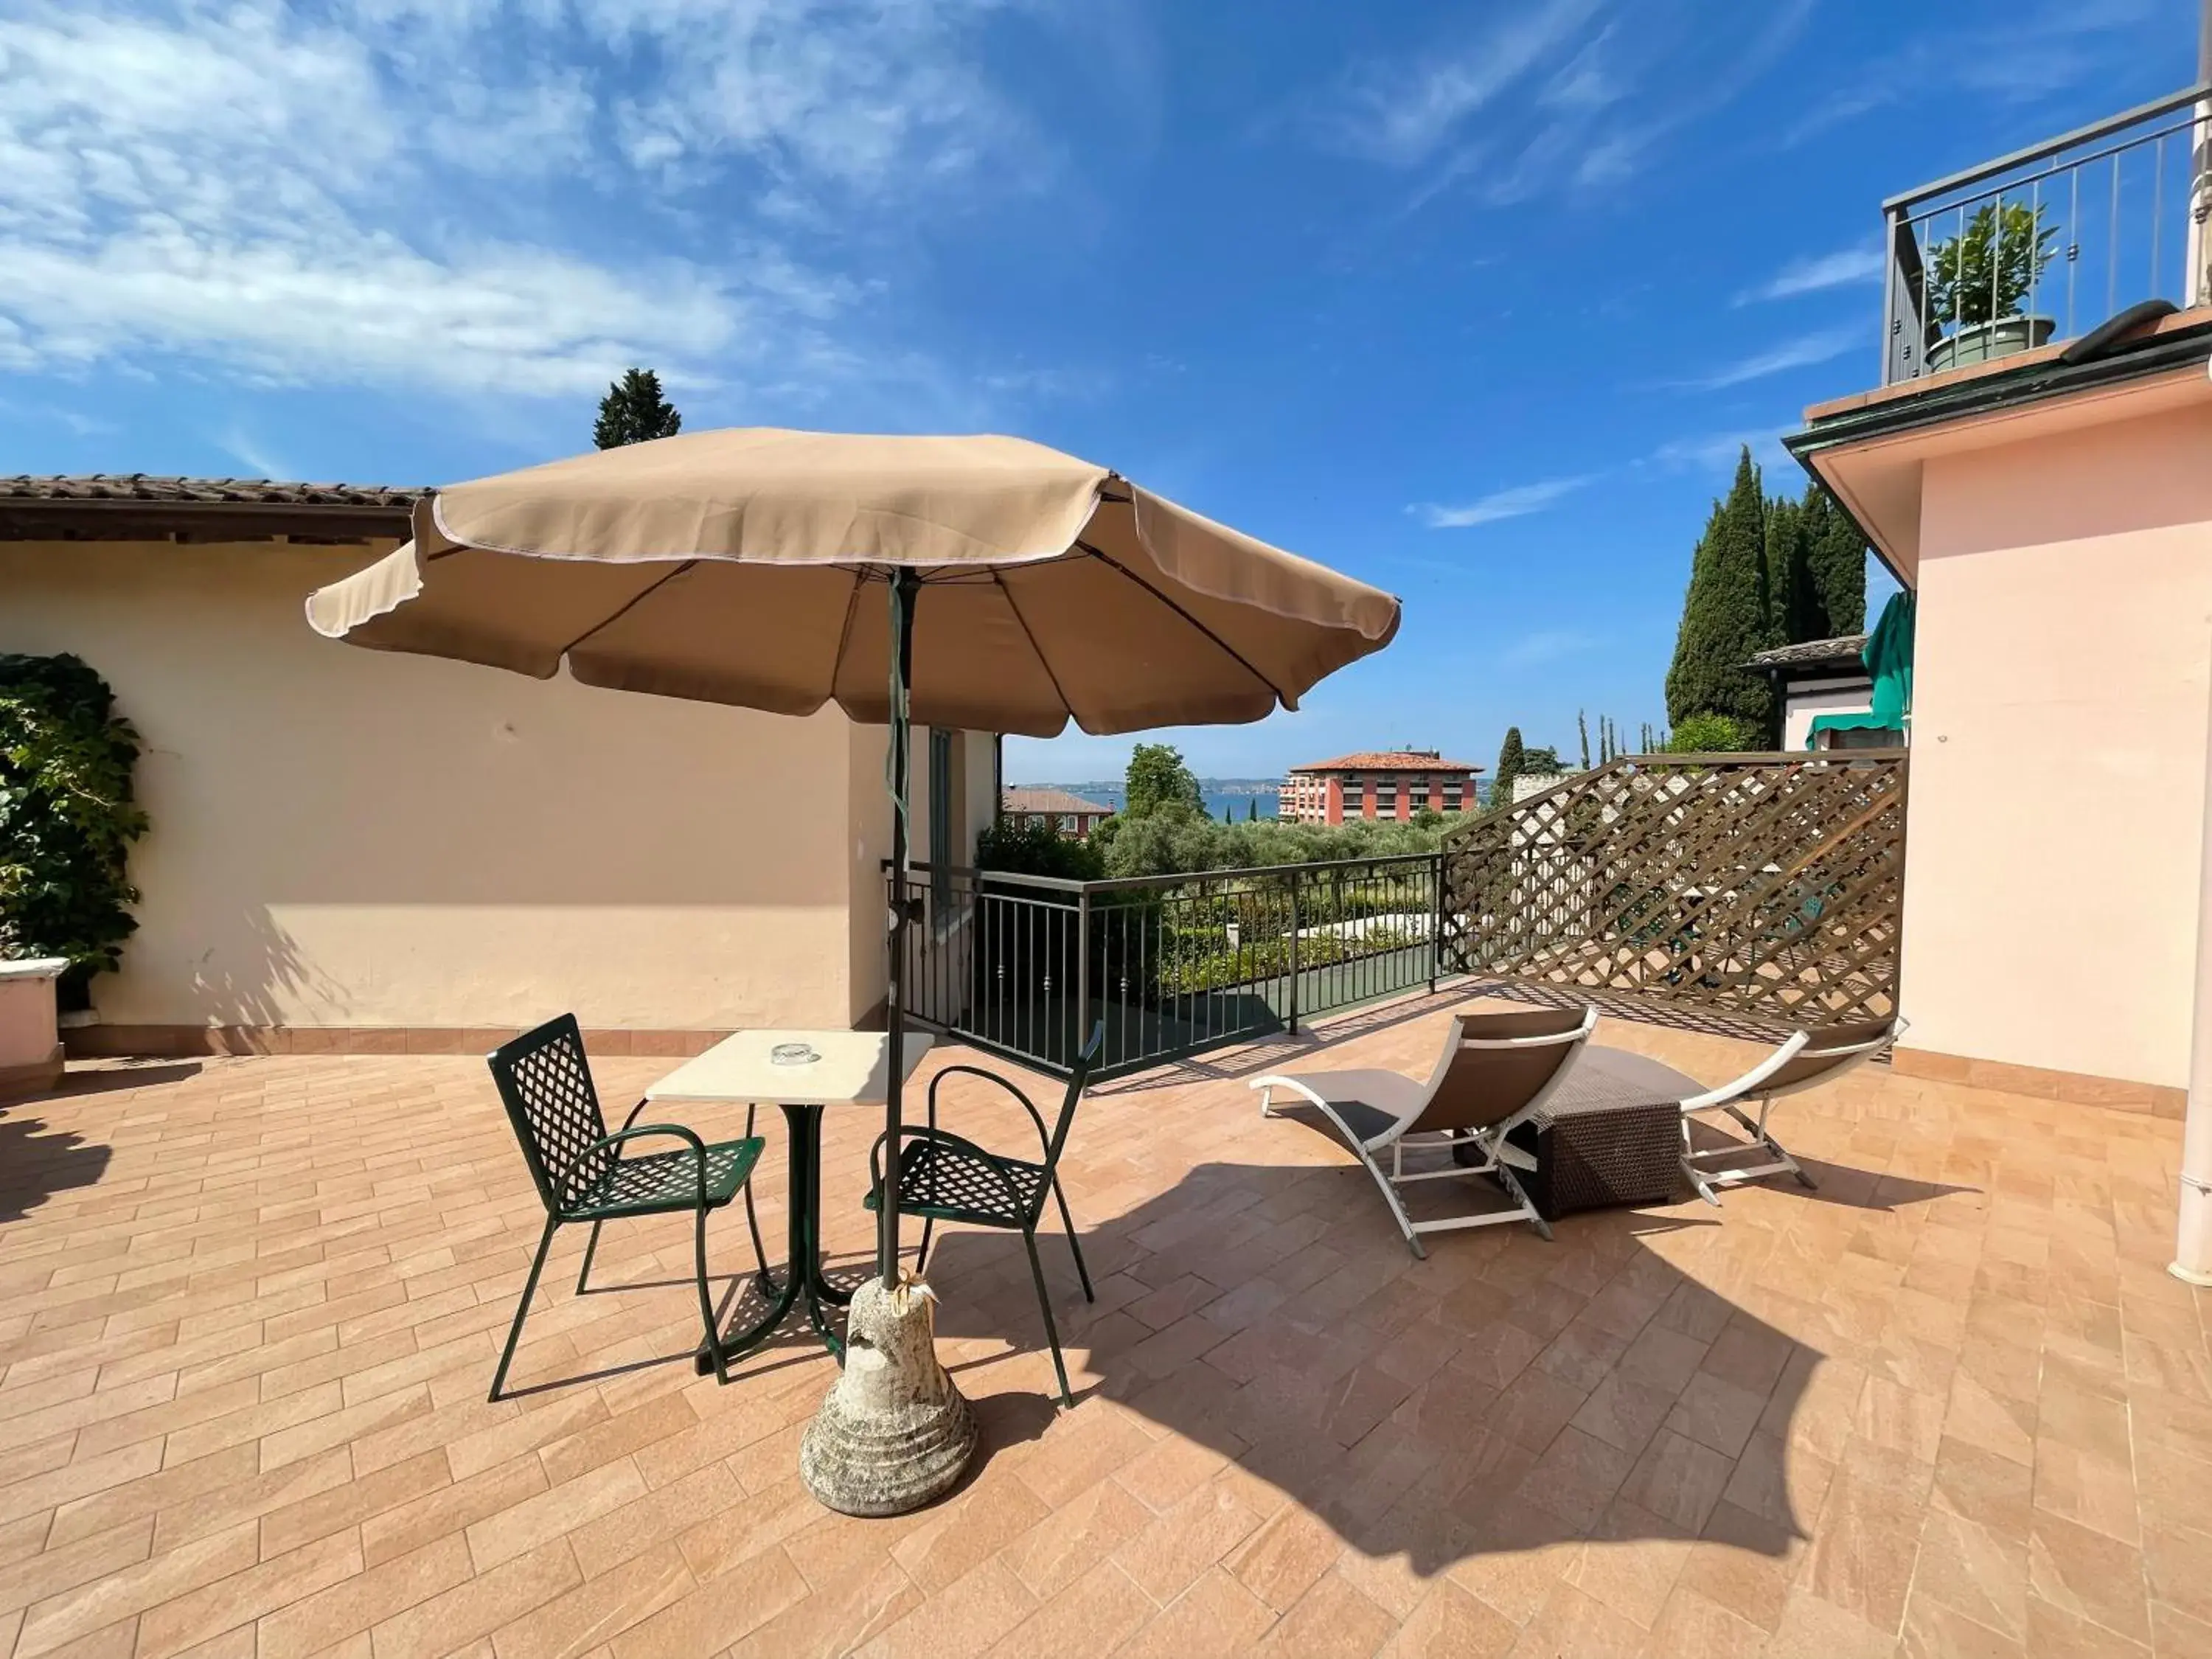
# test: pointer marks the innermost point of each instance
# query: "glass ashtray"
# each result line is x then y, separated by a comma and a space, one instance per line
793, 1054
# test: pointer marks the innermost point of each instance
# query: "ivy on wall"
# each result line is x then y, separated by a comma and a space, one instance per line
67, 819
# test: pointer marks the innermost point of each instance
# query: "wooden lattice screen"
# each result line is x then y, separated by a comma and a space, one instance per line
1768, 885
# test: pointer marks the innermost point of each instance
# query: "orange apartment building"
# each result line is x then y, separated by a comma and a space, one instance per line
1385, 783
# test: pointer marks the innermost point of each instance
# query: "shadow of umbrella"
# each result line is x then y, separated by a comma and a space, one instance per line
1504, 1397
38, 1161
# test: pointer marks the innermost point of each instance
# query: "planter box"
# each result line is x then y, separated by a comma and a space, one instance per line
1982, 343
30, 1046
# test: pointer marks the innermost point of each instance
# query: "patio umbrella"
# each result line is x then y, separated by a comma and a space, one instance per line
981, 583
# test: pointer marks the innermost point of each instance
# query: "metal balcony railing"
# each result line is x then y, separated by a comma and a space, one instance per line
2050, 241
1172, 964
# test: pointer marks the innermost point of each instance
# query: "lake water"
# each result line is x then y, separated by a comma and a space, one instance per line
1117, 796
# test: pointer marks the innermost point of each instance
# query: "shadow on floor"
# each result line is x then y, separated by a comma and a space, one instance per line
1503, 1396
37, 1161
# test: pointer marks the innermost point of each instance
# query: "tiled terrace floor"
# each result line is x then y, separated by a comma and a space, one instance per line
1949, 1404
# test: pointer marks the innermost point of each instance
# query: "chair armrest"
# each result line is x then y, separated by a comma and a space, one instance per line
1044, 1137
641, 1104
698, 1150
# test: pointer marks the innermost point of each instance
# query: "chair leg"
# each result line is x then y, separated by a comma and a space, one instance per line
1051, 1330
522, 1308
707, 1302
590, 1245
921, 1255
1074, 1249
1390, 1197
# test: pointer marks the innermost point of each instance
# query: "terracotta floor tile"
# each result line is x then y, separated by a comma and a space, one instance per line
1716, 1413
598, 1610
1953, 1416
1216, 1616
1178, 1546
1973, 1572
1072, 1538
478, 1606
1282, 1560
2089, 1575
1091, 1617
1933, 1631
355, 1605
1331, 1619
1992, 1491
1690, 1627
835, 1620
1865, 1546
968, 1616
1679, 1479
129, 1591
2055, 1633
1448, 1623
185, 1622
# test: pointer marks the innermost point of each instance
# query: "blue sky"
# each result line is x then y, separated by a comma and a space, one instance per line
1475, 301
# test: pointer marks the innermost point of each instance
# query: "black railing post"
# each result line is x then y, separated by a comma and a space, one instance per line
1436, 919
1294, 954
1082, 970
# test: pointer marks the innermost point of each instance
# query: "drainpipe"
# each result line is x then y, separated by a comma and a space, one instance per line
2192, 1244
2200, 193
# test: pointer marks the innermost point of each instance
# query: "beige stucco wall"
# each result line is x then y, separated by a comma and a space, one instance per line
2065, 634
1805, 702
353, 838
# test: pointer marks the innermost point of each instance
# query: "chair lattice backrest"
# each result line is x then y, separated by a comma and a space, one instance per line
1086, 1063
545, 1082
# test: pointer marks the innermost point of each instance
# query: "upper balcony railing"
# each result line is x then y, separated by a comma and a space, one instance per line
2050, 241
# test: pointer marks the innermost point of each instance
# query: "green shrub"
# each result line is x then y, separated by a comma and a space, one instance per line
1711, 734
67, 819
1036, 849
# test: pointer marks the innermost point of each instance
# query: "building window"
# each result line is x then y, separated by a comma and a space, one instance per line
1451, 797
1386, 798
1420, 796
1355, 795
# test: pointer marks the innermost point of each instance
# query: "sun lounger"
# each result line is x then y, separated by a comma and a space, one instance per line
1808, 1059
1493, 1072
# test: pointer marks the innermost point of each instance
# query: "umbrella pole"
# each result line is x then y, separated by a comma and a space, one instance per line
893, 1432
906, 587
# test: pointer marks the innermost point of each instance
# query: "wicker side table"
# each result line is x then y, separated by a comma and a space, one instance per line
1612, 1134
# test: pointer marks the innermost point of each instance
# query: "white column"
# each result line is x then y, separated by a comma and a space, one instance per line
2192, 1244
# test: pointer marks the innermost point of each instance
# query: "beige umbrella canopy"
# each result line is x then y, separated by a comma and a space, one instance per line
749, 566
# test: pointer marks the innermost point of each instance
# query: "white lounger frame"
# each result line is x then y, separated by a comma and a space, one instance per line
1498, 1157
1703, 1167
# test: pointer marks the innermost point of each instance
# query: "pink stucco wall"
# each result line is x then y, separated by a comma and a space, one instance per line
2064, 637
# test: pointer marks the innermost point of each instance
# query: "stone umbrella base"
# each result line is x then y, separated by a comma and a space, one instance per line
893, 1432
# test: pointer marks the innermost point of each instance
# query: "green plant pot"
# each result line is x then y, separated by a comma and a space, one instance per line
1982, 343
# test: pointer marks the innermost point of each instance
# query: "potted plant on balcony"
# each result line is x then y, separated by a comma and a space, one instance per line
1977, 281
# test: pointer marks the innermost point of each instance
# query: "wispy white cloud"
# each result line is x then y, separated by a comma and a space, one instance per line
1819, 346
1513, 503
2064, 44
249, 451
1716, 452
1817, 273
1401, 113
1562, 95
1547, 645
391, 191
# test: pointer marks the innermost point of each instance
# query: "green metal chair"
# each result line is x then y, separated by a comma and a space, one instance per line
945, 1177
582, 1171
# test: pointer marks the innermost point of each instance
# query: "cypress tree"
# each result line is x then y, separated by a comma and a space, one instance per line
1511, 755
1798, 614
633, 411
1835, 565
1582, 730
1726, 614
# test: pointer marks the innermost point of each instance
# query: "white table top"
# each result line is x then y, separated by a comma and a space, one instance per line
853, 1070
